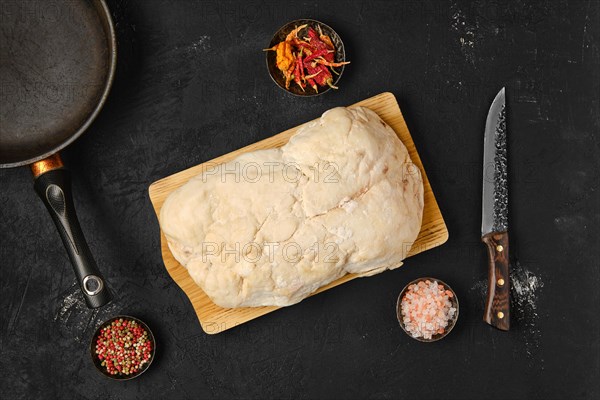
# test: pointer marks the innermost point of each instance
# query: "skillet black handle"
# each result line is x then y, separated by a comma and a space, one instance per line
54, 188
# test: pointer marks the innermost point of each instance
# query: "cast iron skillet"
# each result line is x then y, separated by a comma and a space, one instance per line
57, 63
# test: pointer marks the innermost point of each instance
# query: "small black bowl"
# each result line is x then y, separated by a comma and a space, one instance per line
280, 35
451, 322
98, 363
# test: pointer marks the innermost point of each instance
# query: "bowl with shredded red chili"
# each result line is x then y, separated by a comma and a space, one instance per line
122, 347
306, 57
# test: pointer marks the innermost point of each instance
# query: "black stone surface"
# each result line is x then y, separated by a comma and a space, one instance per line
192, 85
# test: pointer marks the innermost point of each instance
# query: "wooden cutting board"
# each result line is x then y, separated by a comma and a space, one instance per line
215, 319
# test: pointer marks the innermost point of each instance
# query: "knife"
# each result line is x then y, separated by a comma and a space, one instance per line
494, 216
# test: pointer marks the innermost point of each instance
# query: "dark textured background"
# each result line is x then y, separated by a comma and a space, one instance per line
192, 85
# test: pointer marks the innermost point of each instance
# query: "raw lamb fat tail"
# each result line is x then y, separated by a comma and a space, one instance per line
273, 226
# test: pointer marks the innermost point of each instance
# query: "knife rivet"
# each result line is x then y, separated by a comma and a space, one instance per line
500, 282
500, 314
499, 248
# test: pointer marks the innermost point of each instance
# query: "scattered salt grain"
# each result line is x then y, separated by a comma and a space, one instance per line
427, 309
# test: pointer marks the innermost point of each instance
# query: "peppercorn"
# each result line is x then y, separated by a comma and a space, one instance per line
116, 342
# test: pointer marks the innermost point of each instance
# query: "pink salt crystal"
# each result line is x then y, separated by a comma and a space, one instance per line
427, 309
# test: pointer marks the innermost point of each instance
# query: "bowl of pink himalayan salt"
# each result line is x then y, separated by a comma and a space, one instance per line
427, 309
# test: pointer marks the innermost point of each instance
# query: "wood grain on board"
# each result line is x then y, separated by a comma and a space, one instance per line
215, 319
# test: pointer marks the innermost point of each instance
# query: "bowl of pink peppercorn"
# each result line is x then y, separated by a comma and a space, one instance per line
427, 309
122, 347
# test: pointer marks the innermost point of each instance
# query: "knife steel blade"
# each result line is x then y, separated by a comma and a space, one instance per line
494, 216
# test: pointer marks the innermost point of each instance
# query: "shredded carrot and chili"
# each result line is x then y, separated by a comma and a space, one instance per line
307, 60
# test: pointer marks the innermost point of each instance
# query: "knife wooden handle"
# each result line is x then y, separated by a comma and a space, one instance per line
497, 306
